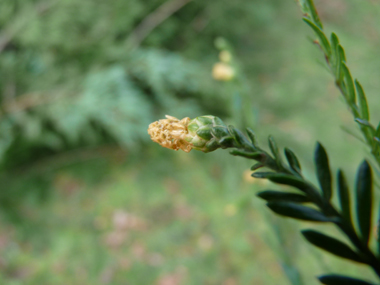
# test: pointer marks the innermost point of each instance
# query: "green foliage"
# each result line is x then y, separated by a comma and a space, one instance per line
364, 200
270, 195
323, 40
107, 93
292, 160
341, 280
323, 171
76, 120
331, 245
344, 197
336, 60
295, 211
289, 204
69, 80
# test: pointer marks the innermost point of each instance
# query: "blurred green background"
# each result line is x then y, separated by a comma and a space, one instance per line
87, 198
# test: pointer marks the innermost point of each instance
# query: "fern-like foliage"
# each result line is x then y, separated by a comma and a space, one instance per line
113, 104
350, 88
311, 202
68, 79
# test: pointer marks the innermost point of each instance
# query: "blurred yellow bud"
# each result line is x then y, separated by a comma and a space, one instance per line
222, 71
225, 56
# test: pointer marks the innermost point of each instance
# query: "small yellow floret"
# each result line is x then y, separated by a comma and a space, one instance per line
170, 133
222, 71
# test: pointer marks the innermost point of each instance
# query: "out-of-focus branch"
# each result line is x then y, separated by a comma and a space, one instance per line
154, 19
29, 101
63, 159
20, 21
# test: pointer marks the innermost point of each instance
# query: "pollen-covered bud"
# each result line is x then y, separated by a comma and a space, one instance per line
223, 72
204, 133
170, 133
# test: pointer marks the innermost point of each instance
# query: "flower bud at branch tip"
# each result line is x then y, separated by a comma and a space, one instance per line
170, 133
187, 134
223, 72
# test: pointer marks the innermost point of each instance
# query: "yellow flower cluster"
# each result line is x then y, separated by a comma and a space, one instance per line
171, 133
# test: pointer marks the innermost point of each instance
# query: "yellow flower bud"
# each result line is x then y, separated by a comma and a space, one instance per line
170, 133
189, 134
223, 72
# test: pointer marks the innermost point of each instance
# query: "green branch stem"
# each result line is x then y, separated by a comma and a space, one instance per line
351, 89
